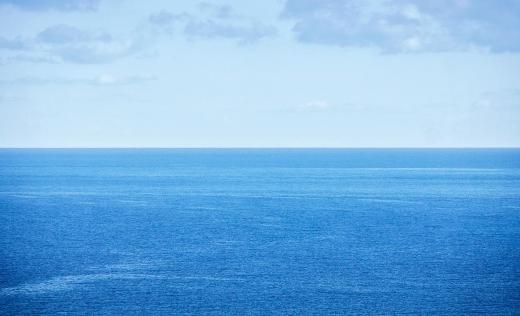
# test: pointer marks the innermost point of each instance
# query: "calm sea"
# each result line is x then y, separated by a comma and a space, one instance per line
259, 231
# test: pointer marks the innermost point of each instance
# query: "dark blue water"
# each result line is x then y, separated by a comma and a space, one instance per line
259, 231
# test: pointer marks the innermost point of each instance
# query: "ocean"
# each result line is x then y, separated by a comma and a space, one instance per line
259, 231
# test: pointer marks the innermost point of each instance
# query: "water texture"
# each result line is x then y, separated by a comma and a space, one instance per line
259, 231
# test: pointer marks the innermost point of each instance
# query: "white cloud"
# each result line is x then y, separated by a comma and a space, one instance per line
408, 25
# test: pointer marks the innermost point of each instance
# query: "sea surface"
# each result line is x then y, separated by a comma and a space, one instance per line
259, 231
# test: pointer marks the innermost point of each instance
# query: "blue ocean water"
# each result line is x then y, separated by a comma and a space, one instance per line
259, 231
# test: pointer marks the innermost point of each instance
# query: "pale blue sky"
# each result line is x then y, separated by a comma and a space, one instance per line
295, 73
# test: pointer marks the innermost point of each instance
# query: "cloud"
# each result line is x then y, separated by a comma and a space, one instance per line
74, 45
244, 33
108, 79
221, 22
27, 58
325, 106
61, 5
12, 44
164, 18
408, 25
69, 44
64, 34
493, 100
320, 105
315, 105
218, 11
101, 80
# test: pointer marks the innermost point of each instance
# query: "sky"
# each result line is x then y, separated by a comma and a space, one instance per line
271, 73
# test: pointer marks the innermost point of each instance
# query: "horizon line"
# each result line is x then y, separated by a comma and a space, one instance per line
267, 147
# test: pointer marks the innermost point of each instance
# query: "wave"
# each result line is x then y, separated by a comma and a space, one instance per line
70, 282
63, 283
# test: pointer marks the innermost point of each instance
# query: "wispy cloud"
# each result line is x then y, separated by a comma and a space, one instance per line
243, 33
315, 105
13, 44
218, 11
408, 26
165, 18
493, 100
28, 58
101, 80
320, 105
212, 21
61, 5
71, 44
